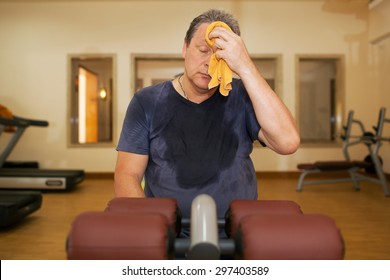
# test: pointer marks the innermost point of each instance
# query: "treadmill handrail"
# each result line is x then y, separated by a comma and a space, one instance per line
22, 122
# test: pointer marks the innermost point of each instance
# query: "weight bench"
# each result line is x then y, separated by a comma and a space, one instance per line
350, 167
368, 170
131, 229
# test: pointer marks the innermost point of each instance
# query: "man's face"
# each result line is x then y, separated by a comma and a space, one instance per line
196, 59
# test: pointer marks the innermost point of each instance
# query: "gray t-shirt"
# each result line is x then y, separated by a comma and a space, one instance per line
193, 148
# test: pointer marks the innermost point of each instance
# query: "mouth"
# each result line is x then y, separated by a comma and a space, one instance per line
205, 76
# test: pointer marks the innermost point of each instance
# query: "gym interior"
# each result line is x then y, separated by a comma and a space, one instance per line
341, 170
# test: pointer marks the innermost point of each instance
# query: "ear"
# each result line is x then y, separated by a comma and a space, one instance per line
184, 49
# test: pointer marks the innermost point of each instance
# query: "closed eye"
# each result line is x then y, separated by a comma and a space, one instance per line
204, 50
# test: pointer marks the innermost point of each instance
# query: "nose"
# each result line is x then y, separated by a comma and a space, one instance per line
207, 64
206, 58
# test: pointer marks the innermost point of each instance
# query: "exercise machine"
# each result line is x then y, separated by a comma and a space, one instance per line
16, 205
32, 178
369, 169
149, 229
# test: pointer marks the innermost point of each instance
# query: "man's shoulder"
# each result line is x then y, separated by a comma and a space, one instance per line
156, 96
155, 89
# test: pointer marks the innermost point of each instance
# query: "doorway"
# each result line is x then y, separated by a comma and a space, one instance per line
88, 106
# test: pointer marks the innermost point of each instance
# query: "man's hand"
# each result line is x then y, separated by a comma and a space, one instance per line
231, 48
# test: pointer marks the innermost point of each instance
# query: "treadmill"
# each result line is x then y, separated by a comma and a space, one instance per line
25, 178
16, 205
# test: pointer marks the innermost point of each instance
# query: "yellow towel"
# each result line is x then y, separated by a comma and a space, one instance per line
218, 69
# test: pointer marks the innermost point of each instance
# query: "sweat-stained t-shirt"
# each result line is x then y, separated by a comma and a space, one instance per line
193, 148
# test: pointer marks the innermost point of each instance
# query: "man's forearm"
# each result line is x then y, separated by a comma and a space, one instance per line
128, 187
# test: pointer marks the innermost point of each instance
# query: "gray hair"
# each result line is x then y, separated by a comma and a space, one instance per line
209, 17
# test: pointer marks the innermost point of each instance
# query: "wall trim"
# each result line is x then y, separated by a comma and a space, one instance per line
260, 175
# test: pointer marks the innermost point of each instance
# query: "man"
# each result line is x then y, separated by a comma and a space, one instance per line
187, 139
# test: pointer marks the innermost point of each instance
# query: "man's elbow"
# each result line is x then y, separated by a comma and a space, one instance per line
285, 145
290, 145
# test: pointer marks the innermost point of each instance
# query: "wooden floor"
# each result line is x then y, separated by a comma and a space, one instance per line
363, 217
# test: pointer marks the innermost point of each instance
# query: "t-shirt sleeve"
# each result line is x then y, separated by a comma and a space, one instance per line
134, 137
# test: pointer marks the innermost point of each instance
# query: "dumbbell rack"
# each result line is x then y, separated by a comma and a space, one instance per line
149, 228
373, 142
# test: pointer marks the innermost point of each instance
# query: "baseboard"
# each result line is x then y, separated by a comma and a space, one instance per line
262, 174
278, 174
296, 174
99, 175
259, 174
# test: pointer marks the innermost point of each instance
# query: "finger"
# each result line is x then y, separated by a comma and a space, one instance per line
219, 32
220, 53
218, 44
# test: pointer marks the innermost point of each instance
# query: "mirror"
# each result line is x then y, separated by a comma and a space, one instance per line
150, 69
91, 99
320, 98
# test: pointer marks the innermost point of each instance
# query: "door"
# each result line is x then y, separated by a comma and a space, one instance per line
88, 106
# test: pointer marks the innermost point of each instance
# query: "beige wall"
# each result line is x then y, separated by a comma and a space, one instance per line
36, 38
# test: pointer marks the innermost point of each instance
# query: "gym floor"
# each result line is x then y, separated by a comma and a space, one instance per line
363, 217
